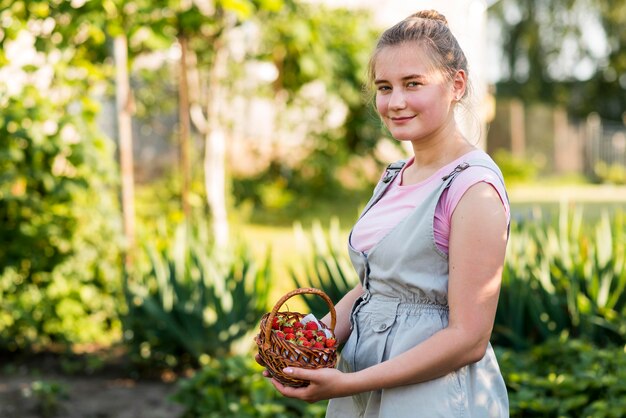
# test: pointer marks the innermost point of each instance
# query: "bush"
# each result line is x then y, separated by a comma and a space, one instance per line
565, 378
325, 266
61, 230
233, 387
564, 277
192, 302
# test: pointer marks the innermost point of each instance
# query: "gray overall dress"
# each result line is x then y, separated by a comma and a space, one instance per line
405, 301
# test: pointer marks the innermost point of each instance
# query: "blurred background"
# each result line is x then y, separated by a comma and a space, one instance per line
171, 168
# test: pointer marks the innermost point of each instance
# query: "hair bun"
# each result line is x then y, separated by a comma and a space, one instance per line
430, 14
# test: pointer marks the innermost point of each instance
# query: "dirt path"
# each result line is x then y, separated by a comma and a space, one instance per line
85, 397
40, 386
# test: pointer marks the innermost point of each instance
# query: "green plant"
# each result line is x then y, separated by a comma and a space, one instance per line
515, 169
48, 395
59, 280
565, 378
233, 387
193, 301
564, 277
324, 266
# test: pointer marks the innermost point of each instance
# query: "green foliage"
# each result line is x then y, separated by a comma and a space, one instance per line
564, 278
233, 387
49, 395
325, 267
59, 279
565, 378
610, 173
192, 303
515, 169
586, 79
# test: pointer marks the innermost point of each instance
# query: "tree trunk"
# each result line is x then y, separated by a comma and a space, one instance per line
184, 129
215, 148
124, 126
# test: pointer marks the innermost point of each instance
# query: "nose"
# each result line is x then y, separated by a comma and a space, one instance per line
397, 100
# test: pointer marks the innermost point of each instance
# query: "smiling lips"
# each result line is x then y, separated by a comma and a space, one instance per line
401, 119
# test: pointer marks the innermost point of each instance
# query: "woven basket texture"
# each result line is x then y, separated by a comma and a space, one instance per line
277, 353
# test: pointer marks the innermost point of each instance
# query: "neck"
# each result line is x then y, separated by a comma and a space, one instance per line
434, 152
440, 148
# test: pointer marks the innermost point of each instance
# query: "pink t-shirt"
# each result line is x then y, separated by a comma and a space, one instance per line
399, 200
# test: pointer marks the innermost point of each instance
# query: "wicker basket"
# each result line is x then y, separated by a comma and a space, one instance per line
277, 353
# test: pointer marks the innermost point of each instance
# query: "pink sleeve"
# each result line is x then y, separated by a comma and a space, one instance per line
451, 197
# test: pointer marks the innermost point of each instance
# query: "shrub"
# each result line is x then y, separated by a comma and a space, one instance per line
192, 302
61, 231
325, 266
564, 277
565, 378
233, 387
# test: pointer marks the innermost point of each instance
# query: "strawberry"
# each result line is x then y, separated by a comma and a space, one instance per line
330, 342
288, 330
318, 344
280, 334
321, 333
306, 343
321, 338
298, 325
275, 323
309, 334
290, 336
311, 325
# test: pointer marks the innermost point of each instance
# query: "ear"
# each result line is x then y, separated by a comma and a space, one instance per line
459, 85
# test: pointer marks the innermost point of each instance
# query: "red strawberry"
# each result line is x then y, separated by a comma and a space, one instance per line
306, 343
288, 330
330, 342
298, 325
280, 334
275, 323
318, 344
290, 337
321, 338
311, 325
321, 333
309, 334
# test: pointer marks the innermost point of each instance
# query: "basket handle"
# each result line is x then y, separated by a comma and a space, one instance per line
300, 291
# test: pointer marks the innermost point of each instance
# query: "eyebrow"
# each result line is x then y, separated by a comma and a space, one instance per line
406, 77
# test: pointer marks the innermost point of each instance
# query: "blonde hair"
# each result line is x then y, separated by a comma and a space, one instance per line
429, 29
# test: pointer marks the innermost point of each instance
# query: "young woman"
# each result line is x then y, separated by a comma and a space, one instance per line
429, 250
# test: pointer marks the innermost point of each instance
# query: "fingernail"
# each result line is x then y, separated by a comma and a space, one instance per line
288, 370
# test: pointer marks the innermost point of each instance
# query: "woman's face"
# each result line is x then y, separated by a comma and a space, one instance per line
412, 97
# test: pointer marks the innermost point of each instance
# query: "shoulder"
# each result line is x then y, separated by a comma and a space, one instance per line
483, 171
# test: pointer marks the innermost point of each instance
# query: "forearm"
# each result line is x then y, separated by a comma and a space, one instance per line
342, 310
446, 351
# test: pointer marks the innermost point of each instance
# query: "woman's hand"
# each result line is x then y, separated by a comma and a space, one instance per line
325, 383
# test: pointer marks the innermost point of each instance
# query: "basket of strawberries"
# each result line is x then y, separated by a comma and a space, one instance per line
292, 339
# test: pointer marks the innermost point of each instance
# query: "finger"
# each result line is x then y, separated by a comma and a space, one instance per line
299, 373
260, 360
285, 390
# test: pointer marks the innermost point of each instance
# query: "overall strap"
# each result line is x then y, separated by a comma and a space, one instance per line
392, 171
483, 163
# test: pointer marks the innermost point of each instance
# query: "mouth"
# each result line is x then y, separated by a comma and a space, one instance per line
401, 119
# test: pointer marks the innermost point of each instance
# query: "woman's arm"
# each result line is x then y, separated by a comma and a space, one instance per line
342, 310
477, 247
